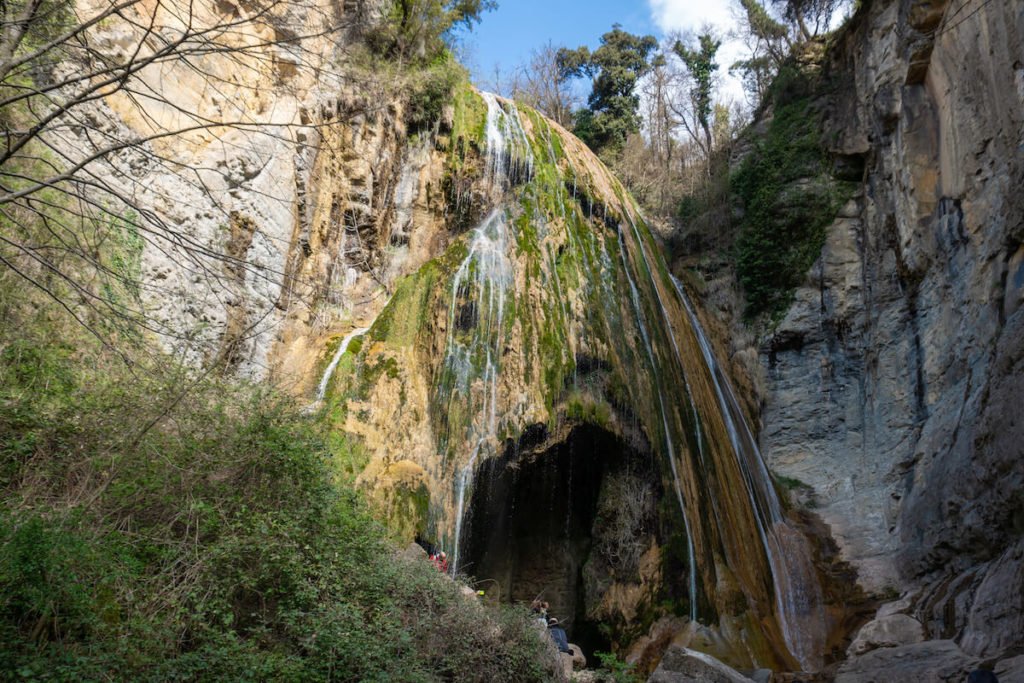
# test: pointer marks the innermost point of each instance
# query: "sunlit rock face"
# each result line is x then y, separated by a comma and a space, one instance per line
237, 136
572, 436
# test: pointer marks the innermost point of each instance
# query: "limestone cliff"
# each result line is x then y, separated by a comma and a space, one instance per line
890, 386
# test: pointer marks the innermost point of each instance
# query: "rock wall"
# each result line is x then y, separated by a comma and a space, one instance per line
275, 168
890, 386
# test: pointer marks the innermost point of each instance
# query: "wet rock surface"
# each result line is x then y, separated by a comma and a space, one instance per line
681, 665
883, 364
891, 386
890, 389
936, 660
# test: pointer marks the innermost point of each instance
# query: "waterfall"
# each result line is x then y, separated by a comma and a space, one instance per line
508, 148
639, 343
635, 297
797, 593
321, 389
482, 282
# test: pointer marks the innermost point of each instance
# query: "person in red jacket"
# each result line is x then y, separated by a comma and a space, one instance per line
440, 561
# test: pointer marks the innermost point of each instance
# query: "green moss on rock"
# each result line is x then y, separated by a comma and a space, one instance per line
789, 199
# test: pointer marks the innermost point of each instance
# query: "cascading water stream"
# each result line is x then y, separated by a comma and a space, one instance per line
482, 279
668, 434
797, 592
482, 282
508, 148
321, 389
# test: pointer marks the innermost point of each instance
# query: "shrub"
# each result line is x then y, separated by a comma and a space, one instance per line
614, 670
159, 526
431, 89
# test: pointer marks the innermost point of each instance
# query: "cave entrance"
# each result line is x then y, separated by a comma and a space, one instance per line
536, 524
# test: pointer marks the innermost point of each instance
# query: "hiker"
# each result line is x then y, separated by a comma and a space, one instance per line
982, 676
557, 634
440, 561
539, 611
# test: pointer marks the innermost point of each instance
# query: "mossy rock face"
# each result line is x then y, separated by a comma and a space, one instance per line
555, 314
402, 498
789, 197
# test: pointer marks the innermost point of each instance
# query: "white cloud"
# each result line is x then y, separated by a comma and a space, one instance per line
691, 16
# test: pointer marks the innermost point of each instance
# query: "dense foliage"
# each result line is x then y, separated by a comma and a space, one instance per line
162, 526
788, 199
615, 67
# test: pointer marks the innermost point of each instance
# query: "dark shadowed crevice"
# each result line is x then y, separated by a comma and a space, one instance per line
536, 519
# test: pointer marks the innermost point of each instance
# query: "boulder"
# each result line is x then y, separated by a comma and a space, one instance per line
682, 665
413, 552
579, 661
931, 660
996, 619
1010, 669
889, 631
565, 659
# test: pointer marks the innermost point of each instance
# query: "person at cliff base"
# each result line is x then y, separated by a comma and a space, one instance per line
440, 561
557, 634
539, 611
982, 676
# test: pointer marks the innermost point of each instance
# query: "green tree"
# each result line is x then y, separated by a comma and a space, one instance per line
615, 68
702, 66
756, 74
810, 17
420, 29
771, 36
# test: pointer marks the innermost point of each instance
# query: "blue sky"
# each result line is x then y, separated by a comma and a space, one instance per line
510, 33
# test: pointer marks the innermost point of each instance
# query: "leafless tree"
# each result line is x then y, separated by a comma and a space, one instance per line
545, 88
539, 84
75, 205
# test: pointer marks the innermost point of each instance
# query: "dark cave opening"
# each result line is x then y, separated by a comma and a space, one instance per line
535, 522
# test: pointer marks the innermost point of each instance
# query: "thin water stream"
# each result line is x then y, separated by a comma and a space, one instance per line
635, 297
797, 591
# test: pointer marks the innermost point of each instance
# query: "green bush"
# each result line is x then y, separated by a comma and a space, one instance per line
158, 526
432, 88
614, 670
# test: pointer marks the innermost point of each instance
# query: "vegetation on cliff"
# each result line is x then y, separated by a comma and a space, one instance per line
788, 198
